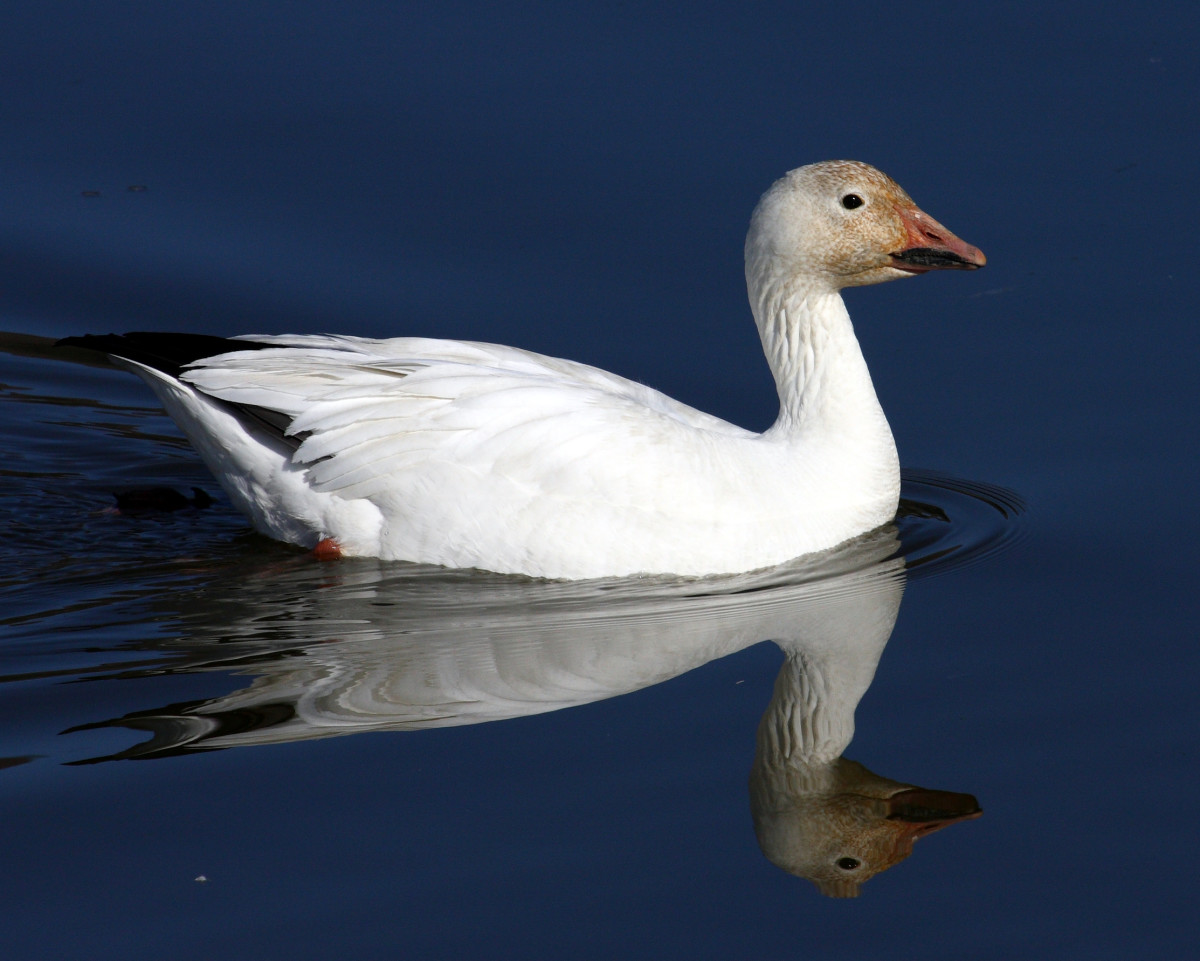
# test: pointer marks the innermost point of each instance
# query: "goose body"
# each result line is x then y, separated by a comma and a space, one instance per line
477, 455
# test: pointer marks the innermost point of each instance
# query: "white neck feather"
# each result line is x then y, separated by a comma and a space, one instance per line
837, 444
820, 373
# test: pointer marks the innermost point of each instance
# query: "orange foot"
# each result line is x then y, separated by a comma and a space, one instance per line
327, 549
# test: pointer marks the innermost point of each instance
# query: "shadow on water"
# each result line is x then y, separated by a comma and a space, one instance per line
361, 645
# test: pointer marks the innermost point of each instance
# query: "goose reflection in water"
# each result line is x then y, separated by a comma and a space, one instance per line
367, 646
817, 814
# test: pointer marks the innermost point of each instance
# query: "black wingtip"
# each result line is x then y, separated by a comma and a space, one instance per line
169, 353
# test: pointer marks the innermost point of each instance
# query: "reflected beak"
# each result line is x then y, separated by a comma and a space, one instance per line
930, 246
929, 811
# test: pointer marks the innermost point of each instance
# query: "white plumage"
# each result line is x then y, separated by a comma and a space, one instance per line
476, 455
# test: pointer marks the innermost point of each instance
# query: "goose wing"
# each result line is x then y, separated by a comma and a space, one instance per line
364, 412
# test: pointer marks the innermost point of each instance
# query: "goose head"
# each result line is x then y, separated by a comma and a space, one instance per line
842, 223
839, 824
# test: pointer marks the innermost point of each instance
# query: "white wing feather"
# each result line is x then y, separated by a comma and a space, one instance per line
463, 446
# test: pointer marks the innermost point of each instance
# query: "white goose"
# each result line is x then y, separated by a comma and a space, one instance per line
475, 455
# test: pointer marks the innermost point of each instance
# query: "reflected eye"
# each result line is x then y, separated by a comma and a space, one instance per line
851, 201
848, 864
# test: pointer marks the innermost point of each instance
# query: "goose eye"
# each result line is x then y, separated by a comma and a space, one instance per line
851, 201
848, 864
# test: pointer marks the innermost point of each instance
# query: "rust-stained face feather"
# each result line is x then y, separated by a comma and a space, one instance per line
846, 224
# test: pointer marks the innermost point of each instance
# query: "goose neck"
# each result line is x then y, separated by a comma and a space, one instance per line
820, 374
811, 715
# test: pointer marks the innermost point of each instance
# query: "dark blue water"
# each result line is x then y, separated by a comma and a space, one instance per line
577, 180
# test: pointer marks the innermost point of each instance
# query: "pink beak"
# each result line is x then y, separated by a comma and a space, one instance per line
930, 246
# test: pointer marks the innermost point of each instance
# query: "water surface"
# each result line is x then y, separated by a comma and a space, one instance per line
577, 181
